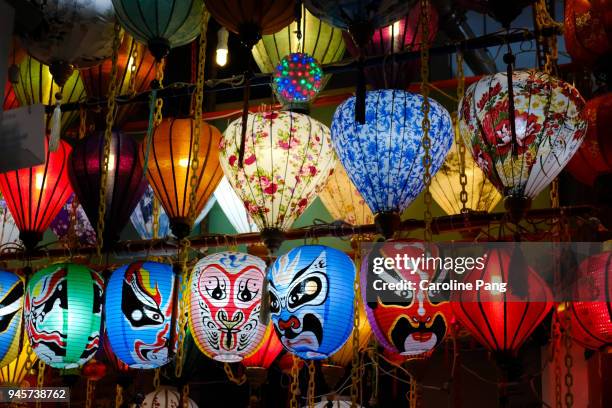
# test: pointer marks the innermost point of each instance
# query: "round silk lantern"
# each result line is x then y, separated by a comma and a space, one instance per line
287, 159
161, 25
594, 156
404, 34
36, 86
9, 233
63, 308
501, 321
234, 208
165, 397
125, 180
446, 186
138, 313
11, 304
297, 79
82, 230
591, 313
588, 30
311, 300
409, 323
266, 352
345, 14
225, 305
169, 169
383, 157
549, 127
35, 195
342, 199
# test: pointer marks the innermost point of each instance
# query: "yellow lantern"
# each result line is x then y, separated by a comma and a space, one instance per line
343, 201
446, 186
344, 356
13, 374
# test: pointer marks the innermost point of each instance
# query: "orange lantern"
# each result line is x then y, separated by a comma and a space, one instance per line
168, 164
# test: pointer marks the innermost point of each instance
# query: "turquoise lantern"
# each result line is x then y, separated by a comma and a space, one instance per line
63, 309
161, 25
138, 313
311, 300
11, 303
384, 156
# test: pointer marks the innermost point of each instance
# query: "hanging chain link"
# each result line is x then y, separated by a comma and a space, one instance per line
185, 396
91, 388
463, 195
355, 367
311, 384
110, 117
425, 124
545, 21
413, 393
295, 382
556, 344
156, 378
159, 102
40, 381
134, 62
82, 122
155, 231
231, 376
182, 296
119, 396
569, 360
31, 356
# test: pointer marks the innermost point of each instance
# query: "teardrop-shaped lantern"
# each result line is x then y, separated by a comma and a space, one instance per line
9, 233
481, 194
71, 224
169, 168
35, 195
135, 71
10, 99
267, 351
63, 310
342, 199
36, 86
287, 159
384, 156
501, 321
125, 180
142, 217
161, 25
549, 126
233, 208
11, 309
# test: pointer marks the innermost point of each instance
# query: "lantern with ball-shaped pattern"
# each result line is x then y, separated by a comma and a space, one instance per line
297, 79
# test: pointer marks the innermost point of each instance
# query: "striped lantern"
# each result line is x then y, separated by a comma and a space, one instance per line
233, 208
63, 309
11, 304
225, 303
266, 352
311, 300
14, 373
165, 397
9, 233
138, 313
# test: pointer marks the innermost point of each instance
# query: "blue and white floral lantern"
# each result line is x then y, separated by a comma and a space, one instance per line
138, 313
384, 156
11, 309
311, 300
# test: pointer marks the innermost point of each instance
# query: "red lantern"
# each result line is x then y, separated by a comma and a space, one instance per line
588, 30
94, 370
267, 351
10, 99
501, 321
35, 195
404, 34
591, 315
594, 157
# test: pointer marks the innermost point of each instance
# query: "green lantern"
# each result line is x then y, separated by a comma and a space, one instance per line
63, 309
320, 40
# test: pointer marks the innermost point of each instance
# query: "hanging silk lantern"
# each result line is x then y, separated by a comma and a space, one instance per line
142, 217
411, 323
342, 199
297, 79
82, 230
266, 352
169, 169
311, 300
125, 180
36, 86
162, 25
93, 370
11, 304
224, 305
10, 99
590, 315
446, 186
165, 397
549, 127
588, 31
9, 233
63, 308
384, 156
594, 156
138, 312
14, 373
402, 35
319, 39
501, 321
344, 356
287, 159
135, 71
35, 195
252, 19
234, 208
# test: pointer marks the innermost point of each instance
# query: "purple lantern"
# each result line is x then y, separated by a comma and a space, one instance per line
125, 184
404, 34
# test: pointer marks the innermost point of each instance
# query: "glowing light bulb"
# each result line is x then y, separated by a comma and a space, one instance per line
39, 180
184, 162
394, 29
222, 50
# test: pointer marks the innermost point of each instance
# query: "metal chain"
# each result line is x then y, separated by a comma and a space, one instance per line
119, 396
230, 375
185, 396
110, 117
355, 371
82, 122
295, 382
155, 231
41, 378
413, 393
543, 21
556, 344
91, 388
182, 297
31, 356
311, 384
159, 102
463, 195
156, 376
425, 124
134, 59
569, 361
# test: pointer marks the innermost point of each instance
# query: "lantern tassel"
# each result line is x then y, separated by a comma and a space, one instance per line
56, 125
